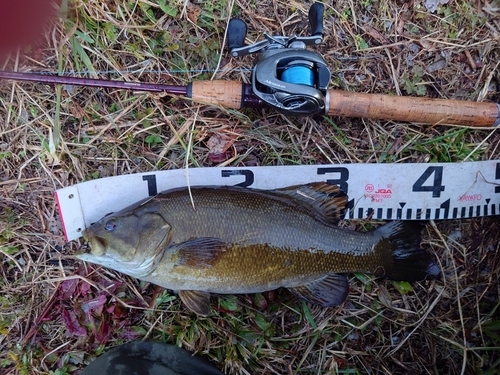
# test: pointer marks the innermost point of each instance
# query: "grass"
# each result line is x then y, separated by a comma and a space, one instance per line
57, 314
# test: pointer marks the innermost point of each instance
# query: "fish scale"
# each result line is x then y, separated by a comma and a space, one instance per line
238, 240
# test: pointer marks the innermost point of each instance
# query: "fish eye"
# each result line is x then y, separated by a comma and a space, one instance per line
110, 225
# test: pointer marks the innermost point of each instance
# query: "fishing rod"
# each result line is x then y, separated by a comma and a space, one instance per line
294, 81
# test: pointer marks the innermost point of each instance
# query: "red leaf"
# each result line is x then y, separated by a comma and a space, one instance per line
83, 288
132, 333
117, 311
111, 286
219, 158
72, 324
94, 305
249, 161
67, 289
104, 332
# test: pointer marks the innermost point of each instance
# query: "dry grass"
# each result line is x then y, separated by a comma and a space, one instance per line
54, 137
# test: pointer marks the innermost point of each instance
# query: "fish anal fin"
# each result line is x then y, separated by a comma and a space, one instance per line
326, 199
329, 290
196, 300
199, 252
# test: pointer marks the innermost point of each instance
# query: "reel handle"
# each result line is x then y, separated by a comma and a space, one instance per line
411, 109
236, 33
316, 12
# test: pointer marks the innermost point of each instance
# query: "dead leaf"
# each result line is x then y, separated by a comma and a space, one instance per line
425, 44
432, 5
436, 65
375, 34
193, 13
76, 110
219, 158
402, 19
219, 143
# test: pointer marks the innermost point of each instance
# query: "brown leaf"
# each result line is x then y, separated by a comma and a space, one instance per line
249, 161
219, 158
375, 34
219, 143
76, 110
117, 311
193, 13
425, 44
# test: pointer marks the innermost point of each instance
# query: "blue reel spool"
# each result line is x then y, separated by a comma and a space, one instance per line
299, 75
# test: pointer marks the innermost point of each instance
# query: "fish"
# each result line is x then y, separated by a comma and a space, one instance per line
236, 240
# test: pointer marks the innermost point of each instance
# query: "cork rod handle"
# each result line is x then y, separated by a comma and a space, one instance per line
235, 95
411, 109
225, 94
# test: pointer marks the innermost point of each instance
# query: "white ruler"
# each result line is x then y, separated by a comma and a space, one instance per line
410, 191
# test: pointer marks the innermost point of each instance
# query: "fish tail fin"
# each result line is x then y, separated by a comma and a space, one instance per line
407, 261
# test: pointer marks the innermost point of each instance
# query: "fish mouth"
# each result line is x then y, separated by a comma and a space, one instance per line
82, 249
94, 245
87, 235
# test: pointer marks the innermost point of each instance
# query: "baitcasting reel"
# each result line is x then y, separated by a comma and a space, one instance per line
285, 75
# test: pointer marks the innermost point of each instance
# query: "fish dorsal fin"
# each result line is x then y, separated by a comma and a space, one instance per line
199, 252
329, 290
329, 201
196, 300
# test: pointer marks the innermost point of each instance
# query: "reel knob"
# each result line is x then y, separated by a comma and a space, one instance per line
316, 12
236, 34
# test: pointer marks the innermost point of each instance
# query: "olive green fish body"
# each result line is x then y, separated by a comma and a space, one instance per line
261, 242
239, 240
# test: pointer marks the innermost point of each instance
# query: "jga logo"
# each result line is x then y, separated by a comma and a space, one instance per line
377, 195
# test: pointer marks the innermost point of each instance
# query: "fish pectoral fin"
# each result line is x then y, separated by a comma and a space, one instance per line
328, 200
199, 252
196, 300
329, 290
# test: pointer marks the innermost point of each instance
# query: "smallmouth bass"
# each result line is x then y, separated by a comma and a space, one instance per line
240, 240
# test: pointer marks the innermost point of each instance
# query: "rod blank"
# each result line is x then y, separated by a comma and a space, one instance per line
65, 80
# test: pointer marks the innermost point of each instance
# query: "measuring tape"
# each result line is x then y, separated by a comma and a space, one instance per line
413, 191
